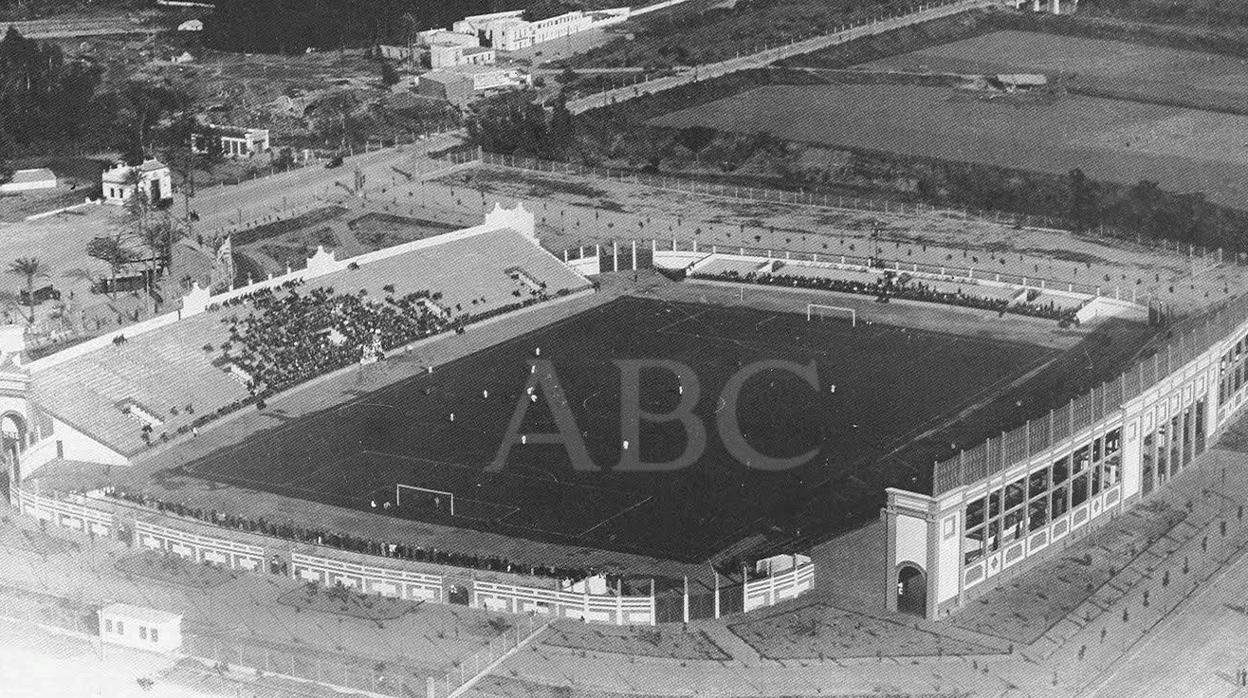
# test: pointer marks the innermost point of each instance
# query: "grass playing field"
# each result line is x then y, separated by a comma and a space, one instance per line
1111, 140
890, 385
1131, 70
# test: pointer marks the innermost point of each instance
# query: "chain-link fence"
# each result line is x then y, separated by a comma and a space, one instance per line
345, 671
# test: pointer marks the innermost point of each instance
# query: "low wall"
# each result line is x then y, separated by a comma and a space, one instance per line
771, 590
197, 548
616, 610
1104, 307
395, 583
392, 581
65, 513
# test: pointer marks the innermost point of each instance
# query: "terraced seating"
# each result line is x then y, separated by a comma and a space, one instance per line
166, 370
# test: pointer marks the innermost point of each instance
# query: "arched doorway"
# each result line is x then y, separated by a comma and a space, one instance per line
911, 590
12, 442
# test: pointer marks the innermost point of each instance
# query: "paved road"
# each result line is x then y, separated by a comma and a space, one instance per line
69, 27
926, 13
221, 208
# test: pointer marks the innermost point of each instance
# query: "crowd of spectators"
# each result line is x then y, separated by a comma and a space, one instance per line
289, 337
347, 541
898, 286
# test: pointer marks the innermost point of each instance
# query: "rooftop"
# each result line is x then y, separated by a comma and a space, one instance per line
40, 174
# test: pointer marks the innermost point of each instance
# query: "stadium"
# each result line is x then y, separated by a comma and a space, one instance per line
630, 432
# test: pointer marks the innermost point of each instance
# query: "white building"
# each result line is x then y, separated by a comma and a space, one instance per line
449, 55
236, 141
28, 180
996, 509
509, 31
140, 628
154, 178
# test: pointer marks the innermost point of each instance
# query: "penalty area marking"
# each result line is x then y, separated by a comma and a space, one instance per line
616, 515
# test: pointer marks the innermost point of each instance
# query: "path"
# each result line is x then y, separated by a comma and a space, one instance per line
871, 27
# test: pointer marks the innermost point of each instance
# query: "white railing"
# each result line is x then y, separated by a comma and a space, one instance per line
200, 548
513, 598
395, 583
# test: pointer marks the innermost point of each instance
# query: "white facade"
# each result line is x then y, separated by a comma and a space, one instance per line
140, 628
154, 178
442, 36
508, 31
1034, 490
236, 141
449, 55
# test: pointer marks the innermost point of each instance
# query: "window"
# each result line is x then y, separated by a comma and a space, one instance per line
975, 513
974, 546
1060, 505
994, 504
108, 625
155, 635
994, 535
142, 632
1113, 442
1038, 483
1097, 449
1082, 459
1012, 527
1037, 514
1061, 470
1079, 490
121, 628
1015, 492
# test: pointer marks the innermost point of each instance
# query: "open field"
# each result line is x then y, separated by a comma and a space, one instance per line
1119, 141
1119, 68
891, 384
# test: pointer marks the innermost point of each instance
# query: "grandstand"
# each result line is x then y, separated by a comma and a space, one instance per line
133, 389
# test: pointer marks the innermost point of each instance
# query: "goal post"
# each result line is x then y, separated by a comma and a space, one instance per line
415, 496
816, 311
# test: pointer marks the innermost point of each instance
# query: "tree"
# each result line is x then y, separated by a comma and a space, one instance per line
389, 76
158, 234
1084, 201
562, 128
30, 268
696, 138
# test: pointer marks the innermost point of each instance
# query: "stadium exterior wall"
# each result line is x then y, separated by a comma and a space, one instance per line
201, 543
1000, 507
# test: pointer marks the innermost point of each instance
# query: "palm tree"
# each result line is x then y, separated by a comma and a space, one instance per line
30, 268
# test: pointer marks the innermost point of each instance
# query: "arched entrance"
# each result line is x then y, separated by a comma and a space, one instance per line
911, 590
12, 443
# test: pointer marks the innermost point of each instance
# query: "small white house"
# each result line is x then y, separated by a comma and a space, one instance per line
191, 25
154, 178
141, 628
236, 141
29, 180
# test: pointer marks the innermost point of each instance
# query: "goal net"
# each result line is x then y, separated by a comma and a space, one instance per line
413, 497
815, 311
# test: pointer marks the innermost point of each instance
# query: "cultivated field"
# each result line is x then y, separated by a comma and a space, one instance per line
1121, 141
891, 384
1128, 70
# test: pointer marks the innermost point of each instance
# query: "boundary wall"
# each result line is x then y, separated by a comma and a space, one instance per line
384, 577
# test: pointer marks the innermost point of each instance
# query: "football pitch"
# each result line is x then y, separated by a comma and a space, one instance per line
878, 388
